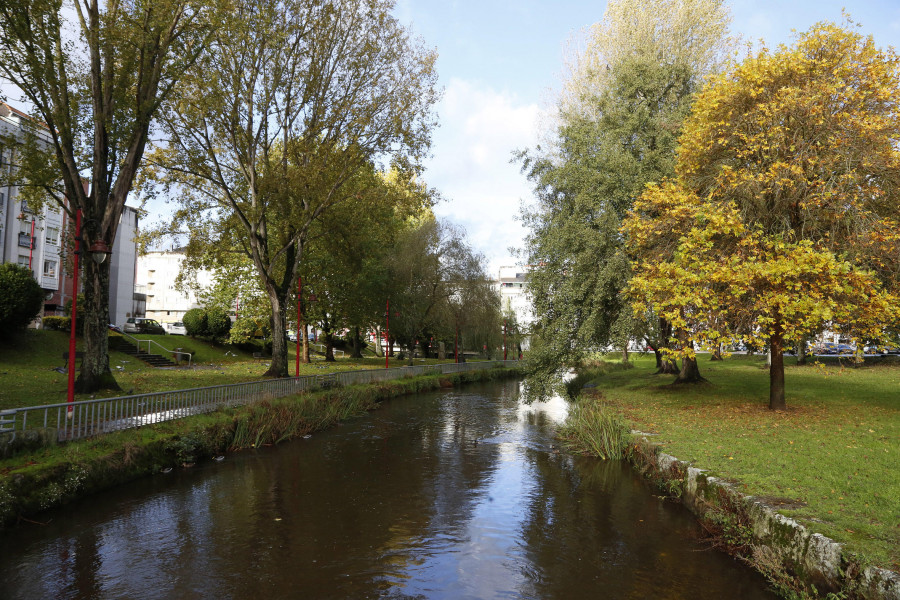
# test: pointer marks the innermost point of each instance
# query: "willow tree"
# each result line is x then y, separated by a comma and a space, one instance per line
292, 101
620, 114
95, 74
783, 216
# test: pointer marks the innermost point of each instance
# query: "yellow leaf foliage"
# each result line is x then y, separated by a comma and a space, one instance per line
782, 218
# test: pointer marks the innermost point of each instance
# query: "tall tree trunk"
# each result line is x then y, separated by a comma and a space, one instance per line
95, 373
801, 352
690, 370
304, 331
717, 352
664, 365
378, 341
329, 345
278, 300
357, 343
625, 353
776, 370
411, 348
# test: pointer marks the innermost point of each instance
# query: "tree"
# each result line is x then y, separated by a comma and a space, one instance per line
345, 256
293, 101
619, 119
782, 219
95, 74
21, 298
436, 282
666, 32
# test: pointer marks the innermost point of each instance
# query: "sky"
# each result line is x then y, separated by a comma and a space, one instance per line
501, 63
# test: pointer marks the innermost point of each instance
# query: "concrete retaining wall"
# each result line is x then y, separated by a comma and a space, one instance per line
811, 557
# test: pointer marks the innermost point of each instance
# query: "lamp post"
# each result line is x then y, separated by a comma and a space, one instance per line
387, 332
299, 300
98, 251
31, 244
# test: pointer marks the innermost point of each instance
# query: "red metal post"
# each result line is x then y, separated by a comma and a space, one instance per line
299, 300
31, 244
387, 331
71, 390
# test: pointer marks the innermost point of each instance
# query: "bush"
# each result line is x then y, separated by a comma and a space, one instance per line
56, 323
195, 322
218, 324
21, 298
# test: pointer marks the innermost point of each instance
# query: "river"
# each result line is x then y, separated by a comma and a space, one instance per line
452, 494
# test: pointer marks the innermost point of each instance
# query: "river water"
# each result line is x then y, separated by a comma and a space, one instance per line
454, 494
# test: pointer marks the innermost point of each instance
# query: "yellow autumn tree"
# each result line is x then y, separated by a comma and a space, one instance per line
782, 218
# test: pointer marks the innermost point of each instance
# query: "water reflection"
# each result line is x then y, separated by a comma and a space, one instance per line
447, 495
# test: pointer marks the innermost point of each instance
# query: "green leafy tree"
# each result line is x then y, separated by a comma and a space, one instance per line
195, 322
21, 298
95, 74
293, 101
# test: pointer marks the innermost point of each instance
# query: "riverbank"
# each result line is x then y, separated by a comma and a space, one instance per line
828, 463
35, 482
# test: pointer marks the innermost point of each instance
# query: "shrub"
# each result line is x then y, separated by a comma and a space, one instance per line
245, 329
56, 323
21, 298
195, 322
218, 324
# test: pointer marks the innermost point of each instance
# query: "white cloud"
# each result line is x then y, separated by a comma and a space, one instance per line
480, 129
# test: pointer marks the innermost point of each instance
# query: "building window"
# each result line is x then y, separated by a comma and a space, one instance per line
53, 235
23, 261
49, 268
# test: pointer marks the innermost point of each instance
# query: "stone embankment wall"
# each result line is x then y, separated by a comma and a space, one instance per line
775, 544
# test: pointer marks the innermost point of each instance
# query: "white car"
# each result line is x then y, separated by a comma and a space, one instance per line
176, 328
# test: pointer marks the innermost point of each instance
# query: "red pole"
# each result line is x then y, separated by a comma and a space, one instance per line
299, 299
387, 331
31, 249
71, 391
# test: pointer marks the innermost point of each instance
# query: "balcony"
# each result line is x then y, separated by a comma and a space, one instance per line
24, 240
25, 208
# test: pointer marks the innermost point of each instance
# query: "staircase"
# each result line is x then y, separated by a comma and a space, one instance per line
120, 344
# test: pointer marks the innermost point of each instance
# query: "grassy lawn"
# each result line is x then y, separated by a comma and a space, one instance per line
28, 362
831, 460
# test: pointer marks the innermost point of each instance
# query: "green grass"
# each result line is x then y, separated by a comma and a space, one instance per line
28, 361
834, 454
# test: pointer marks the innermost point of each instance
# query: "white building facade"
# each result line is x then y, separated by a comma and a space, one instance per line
156, 275
513, 288
124, 302
33, 239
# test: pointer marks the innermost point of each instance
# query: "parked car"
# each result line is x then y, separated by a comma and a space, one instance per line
845, 349
142, 325
827, 348
176, 328
879, 349
291, 335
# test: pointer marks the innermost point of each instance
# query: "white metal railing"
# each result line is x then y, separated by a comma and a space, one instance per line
163, 348
87, 418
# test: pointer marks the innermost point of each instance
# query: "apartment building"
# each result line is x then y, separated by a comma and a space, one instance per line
156, 275
40, 239
30, 238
